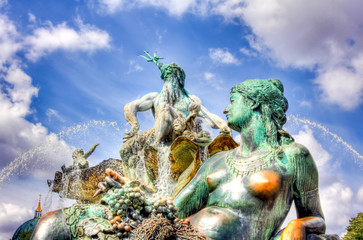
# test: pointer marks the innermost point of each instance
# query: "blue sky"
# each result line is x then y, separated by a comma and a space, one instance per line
67, 66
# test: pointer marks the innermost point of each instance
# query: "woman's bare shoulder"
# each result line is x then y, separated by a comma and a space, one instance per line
297, 151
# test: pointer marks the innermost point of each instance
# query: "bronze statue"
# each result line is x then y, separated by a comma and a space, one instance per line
80, 159
171, 103
176, 114
246, 193
240, 192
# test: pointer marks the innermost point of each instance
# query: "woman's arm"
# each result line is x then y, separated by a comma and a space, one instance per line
299, 228
306, 197
194, 196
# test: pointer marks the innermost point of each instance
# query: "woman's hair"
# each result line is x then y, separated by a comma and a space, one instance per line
268, 96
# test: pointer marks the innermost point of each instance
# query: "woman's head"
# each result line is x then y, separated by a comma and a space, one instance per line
265, 96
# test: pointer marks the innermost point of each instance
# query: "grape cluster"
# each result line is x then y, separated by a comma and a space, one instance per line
161, 207
130, 205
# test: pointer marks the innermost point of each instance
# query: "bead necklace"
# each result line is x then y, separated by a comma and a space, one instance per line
243, 167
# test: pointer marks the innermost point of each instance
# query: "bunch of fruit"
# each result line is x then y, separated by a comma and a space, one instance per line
161, 207
130, 203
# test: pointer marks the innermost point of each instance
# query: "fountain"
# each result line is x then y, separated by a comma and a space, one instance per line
174, 182
358, 157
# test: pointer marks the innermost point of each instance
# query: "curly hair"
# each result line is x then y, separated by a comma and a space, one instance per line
269, 99
173, 69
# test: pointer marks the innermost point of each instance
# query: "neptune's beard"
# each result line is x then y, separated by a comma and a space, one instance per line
172, 91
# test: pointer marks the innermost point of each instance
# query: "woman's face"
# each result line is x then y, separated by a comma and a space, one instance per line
238, 111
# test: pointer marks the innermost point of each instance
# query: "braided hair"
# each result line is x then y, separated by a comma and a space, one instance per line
268, 95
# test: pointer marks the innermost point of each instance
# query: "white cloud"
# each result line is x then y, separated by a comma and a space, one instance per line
324, 36
213, 81
134, 67
23, 145
305, 103
173, 7
160, 35
341, 86
31, 17
306, 138
22, 90
16, 210
15, 97
299, 34
222, 56
229, 9
46, 154
23, 142
360, 195
9, 40
11, 215
51, 113
209, 75
99, 111
51, 38
248, 52
336, 201
112, 5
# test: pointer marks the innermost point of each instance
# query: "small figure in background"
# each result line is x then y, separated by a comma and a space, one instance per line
79, 159
185, 126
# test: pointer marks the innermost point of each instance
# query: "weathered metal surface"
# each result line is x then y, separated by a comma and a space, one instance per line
82, 184
246, 193
182, 153
222, 142
151, 162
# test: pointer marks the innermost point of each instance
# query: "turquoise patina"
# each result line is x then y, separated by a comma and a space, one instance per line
238, 193
247, 192
171, 103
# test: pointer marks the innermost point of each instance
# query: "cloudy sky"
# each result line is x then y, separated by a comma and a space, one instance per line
67, 68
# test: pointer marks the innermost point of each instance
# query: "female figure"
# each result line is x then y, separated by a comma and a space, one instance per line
247, 192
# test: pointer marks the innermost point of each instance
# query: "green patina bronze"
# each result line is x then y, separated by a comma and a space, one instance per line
171, 103
175, 111
238, 193
88, 221
125, 211
174, 71
247, 192
79, 159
